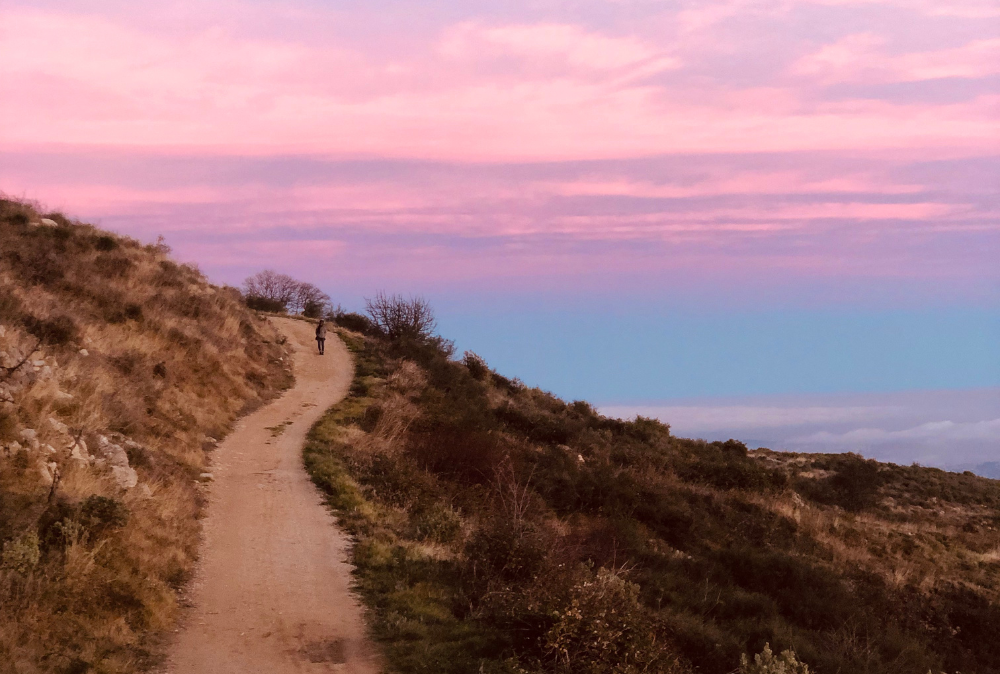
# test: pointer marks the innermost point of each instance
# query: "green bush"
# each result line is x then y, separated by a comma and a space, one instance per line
854, 486
435, 521
508, 549
312, 309
100, 513
603, 629
265, 304
355, 323
21, 555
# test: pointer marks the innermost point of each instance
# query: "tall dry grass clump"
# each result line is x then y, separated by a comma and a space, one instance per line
119, 370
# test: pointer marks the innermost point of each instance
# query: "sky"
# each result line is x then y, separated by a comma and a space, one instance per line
656, 205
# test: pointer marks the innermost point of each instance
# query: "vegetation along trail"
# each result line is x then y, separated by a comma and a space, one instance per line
272, 589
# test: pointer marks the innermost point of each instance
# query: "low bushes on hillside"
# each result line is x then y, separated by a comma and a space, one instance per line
500, 529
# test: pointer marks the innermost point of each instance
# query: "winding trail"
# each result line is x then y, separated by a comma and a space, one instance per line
271, 594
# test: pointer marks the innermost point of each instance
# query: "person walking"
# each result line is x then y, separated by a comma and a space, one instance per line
321, 337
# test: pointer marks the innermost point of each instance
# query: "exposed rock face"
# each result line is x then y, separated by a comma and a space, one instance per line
113, 455
29, 436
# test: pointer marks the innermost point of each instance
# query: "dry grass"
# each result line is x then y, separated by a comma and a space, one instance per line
139, 349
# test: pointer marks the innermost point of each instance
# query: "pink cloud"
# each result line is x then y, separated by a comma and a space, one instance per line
526, 146
862, 57
210, 86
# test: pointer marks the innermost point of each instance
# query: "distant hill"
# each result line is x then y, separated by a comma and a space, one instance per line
990, 469
501, 529
118, 370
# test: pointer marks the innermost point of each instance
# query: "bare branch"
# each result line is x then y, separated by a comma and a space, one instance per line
397, 317
8, 371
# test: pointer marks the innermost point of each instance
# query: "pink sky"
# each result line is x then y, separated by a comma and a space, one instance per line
438, 145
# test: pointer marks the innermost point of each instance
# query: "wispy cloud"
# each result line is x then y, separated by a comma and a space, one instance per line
951, 429
931, 431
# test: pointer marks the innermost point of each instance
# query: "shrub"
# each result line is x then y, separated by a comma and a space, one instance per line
312, 309
435, 522
507, 548
854, 486
603, 629
100, 514
732, 470
57, 331
112, 266
767, 662
476, 366
258, 303
355, 322
470, 455
396, 317
21, 554
105, 243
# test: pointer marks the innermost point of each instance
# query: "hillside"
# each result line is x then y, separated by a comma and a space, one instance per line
119, 370
500, 529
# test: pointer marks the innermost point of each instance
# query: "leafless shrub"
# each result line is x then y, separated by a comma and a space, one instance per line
397, 317
269, 290
271, 285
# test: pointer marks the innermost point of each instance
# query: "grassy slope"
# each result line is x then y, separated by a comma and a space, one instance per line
171, 361
501, 529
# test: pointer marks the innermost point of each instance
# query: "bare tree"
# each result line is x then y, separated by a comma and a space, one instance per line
310, 300
271, 291
271, 285
396, 316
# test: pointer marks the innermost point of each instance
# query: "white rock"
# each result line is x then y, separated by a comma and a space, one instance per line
49, 223
79, 455
144, 491
29, 434
58, 426
3, 331
84, 352
78, 449
112, 453
38, 363
48, 449
206, 477
14, 447
124, 476
62, 395
46, 474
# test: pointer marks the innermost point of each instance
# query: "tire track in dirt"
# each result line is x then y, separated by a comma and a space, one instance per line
272, 590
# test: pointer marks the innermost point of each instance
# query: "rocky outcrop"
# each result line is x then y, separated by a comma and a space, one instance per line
114, 456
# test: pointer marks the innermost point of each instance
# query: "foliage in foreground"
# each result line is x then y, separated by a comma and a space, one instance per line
500, 529
107, 344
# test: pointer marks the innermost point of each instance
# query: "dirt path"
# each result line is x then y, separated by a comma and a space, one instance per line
271, 592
